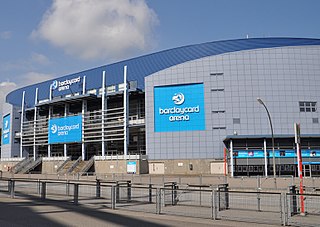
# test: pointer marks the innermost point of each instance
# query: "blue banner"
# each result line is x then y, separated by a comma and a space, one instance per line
65, 130
6, 130
277, 153
179, 108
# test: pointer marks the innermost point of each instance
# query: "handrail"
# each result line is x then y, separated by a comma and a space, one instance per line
74, 165
63, 164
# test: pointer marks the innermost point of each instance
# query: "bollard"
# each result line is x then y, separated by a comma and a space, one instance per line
98, 188
76, 193
43, 190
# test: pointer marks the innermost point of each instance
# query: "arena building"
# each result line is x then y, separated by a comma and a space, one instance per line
188, 110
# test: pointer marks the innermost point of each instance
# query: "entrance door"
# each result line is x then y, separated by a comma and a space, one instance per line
306, 170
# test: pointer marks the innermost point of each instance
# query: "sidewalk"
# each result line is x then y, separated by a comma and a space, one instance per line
25, 212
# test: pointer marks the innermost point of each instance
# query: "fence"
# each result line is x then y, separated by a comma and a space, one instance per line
211, 202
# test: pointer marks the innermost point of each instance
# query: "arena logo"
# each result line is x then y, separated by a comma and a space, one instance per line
65, 84
179, 113
178, 98
64, 130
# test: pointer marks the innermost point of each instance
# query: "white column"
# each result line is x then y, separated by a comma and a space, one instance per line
84, 85
265, 158
83, 147
21, 123
35, 123
103, 109
125, 112
231, 158
49, 118
66, 110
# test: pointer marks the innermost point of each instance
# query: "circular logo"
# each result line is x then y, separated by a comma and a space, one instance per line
54, 129
178, 98
54, 85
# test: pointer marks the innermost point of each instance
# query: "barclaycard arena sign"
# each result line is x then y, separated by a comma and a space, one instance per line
179, 108
64, 84
65, 129
6, 130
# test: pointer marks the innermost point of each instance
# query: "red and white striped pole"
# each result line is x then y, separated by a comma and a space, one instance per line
299, 156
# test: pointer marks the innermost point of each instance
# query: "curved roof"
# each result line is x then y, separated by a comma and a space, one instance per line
140, 67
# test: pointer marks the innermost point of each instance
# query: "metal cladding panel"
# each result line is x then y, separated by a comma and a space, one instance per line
140, 67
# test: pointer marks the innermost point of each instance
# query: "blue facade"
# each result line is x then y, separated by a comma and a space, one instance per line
141, 67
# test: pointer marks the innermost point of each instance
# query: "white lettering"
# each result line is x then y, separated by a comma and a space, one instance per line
178, 110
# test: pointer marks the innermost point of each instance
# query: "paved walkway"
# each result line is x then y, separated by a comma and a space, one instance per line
25, 212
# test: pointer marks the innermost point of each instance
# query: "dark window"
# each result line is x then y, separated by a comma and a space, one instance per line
308, 106
315, 120
236, 120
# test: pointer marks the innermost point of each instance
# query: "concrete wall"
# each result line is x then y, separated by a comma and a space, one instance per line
50, 167
188, 166
6, 166
119, 166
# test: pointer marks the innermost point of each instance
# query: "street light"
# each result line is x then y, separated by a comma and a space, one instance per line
272, 137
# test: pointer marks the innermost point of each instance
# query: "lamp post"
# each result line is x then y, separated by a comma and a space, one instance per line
272, 137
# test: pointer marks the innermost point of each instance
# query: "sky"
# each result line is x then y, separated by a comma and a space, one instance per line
45, 39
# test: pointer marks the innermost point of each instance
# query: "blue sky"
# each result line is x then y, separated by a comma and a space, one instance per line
44, 39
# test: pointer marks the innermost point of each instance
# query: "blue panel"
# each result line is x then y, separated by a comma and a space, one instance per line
65, 130
6, 130
179, 108
67, 85
277, 153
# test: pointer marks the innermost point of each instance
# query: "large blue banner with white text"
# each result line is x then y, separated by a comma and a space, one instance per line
6, 130
179, 108
65, 130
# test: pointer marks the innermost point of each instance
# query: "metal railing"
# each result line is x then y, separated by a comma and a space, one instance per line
214, 202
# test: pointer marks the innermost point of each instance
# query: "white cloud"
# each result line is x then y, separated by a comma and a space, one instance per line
98, 29
5, 88
35, 77
40, 59
5, 35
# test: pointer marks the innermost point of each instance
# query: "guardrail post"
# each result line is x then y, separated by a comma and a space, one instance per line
128, 191
158, 200
150, 193
117, 192
43, 190
214, 207
39, 186
293, 200
283, 206
12, 183
113, 197
76, 194
98, 188
68, 188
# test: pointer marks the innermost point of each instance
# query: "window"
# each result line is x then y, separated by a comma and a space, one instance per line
236, 120
308, 106
315, 120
